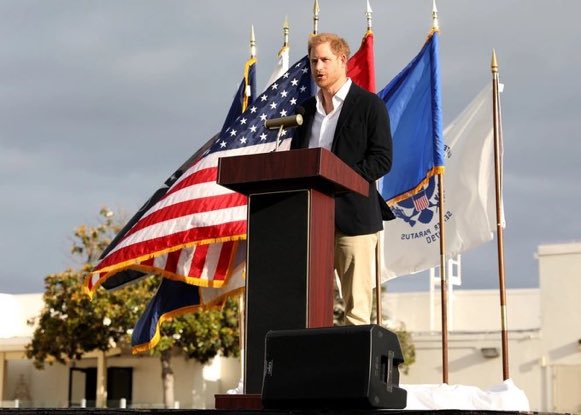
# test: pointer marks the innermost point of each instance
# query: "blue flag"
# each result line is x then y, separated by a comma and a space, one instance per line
415, 112
172, 298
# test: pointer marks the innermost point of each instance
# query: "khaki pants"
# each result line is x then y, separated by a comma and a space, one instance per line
355, 265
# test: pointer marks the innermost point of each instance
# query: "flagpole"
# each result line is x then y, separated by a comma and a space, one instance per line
497, 127
368, 15
378, 246
443, 268
242, 302
285, 31
316, 17
443, 279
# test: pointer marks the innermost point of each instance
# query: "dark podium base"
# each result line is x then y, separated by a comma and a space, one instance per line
113, 411
250, 401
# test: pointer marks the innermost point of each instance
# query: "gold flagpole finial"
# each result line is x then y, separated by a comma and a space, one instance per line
285, 29
369, 14
252, 43
494, 63
316, 11
435, 24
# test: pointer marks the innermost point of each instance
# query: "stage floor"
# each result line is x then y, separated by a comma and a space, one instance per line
116, 411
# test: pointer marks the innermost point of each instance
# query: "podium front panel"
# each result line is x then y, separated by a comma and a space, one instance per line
277, 277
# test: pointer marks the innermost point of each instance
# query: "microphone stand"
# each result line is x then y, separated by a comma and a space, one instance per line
278, 135
288, 121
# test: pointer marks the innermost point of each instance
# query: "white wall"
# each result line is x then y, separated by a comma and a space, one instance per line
195, 384
48, 387
560, 282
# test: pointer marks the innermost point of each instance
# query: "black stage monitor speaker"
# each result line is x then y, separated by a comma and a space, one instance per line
335, 367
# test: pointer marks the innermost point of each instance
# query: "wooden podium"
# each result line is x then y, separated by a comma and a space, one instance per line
291, 227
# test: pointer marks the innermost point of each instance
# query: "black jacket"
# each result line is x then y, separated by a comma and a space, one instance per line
363, 141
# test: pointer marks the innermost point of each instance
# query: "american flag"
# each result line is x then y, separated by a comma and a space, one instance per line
191, 232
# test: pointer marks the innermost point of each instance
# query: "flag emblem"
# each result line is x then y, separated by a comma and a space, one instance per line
419, 208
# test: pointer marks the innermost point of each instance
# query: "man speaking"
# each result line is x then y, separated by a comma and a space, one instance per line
353, 124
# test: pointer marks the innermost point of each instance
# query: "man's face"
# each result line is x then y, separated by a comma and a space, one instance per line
328, 69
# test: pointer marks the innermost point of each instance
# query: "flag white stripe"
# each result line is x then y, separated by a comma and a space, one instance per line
191, 193
160, 261
185, 261
212, 258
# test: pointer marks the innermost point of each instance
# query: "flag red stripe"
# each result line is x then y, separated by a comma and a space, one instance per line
224, 261
171, 265
198, 261
201, 176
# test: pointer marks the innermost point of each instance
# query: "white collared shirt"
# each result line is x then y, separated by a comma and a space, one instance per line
324, 125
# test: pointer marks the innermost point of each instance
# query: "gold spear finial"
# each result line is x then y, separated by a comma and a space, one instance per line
285, 30
494, 63
435, 24
369, 14
252, 43
316, 11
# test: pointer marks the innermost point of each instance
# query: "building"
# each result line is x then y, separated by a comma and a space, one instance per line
544, 327
132, 380
544, 347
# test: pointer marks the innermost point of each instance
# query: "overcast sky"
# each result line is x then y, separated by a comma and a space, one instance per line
100, 101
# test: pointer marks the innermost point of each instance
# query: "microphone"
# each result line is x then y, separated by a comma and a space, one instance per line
285, 122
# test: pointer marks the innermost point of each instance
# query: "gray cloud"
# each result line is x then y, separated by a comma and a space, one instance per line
101, 101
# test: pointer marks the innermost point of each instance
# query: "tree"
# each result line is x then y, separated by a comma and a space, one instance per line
408, 349
200, 336
72, 324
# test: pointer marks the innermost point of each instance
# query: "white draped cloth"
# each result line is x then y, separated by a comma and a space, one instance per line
503, 397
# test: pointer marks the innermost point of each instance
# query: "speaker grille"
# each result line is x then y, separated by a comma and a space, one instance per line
347, 367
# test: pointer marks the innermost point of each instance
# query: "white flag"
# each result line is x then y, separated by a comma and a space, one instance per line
411, 242
281, 65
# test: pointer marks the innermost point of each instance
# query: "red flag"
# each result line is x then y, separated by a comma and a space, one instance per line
361, 66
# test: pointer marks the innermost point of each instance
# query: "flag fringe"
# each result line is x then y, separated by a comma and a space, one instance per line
136, 265
282, 50
247, 66
217, 302
431, 33
434, 171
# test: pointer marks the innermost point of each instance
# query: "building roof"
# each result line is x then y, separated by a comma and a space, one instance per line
559, 249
